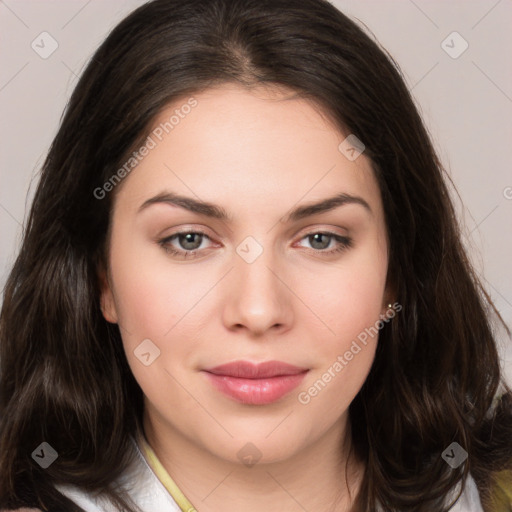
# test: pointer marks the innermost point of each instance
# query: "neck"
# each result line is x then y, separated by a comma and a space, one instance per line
325, 475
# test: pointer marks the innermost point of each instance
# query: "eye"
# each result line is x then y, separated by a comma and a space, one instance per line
185, 244
321, 240
188, 242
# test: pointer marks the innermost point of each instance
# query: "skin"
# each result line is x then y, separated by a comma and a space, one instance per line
257, 154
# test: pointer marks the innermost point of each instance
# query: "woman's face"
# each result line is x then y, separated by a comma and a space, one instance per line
260, 284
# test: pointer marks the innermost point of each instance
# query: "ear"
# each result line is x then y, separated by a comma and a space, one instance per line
107, 303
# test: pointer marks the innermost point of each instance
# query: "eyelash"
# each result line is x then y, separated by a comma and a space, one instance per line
344, 243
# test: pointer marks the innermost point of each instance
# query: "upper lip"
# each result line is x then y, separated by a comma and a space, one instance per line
248, 370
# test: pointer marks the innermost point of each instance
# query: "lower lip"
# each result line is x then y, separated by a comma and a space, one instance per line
256, 391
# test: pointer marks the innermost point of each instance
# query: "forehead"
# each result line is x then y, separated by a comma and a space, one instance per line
239, 146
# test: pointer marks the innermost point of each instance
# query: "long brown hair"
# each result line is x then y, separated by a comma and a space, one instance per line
64, 375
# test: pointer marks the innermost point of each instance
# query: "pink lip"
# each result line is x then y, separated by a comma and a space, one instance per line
256, 384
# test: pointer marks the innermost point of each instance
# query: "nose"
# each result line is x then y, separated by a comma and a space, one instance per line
258, 298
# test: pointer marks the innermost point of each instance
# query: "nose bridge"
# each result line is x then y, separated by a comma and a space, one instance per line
256, 265
258, 300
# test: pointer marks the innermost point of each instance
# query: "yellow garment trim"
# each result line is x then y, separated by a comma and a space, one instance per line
502, 492
164, 477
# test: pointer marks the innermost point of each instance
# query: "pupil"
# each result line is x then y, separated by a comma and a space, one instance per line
315, 238
189, 244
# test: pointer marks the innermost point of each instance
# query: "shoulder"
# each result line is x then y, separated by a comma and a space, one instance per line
140, 484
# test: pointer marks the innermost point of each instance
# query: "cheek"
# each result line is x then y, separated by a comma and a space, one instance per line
349, 301
151, 295
348, 296
343, 359
162, 302
152, 304
331, 389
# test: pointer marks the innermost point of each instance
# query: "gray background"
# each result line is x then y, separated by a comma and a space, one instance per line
466, 103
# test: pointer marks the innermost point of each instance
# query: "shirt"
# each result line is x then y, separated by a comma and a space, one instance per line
148, 491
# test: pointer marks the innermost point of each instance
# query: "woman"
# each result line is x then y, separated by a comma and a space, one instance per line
242, 286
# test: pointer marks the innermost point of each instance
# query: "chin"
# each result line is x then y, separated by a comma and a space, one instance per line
257, 447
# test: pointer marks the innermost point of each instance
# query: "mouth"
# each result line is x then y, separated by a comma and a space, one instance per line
255, 384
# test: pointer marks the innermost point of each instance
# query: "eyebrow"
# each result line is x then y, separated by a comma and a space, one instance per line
217, 212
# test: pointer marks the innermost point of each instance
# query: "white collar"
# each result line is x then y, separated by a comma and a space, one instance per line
142, 486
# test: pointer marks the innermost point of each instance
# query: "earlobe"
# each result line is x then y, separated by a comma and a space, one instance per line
388, 301
390, 293
107, 303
